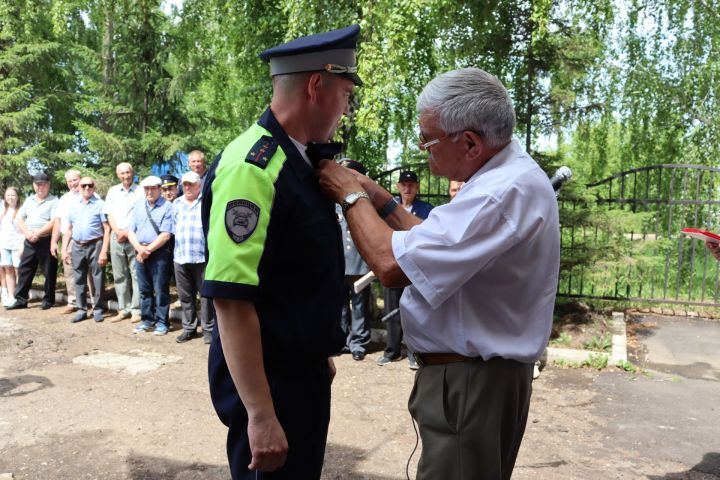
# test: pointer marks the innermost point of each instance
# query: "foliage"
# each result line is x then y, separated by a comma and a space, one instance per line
601, 86
35, 92
564, 339
597, 361
627, 366
600, 343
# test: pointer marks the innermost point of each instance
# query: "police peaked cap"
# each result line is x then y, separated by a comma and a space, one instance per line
332, 52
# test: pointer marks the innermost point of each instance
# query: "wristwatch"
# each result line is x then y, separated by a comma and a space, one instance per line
351, 199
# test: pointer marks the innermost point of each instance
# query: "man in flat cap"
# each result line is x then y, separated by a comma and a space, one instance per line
275, 266
149, 232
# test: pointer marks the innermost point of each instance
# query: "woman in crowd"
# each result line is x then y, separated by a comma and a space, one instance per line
11, 241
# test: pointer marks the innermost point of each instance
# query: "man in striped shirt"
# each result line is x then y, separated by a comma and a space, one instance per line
189, 260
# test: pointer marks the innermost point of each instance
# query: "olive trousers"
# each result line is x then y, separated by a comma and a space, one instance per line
471, 417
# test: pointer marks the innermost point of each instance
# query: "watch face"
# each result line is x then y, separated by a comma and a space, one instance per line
351, 198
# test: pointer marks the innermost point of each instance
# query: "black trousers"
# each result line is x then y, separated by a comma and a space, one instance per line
35, 254
301, 396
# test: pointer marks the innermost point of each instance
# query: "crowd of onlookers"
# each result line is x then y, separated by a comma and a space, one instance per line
147, 232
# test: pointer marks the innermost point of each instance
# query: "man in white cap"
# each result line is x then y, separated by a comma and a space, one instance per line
149, 231
189, 260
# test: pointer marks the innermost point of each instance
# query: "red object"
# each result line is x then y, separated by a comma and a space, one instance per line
703, 235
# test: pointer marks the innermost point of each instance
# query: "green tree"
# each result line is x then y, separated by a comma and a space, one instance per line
129, 109
35, 122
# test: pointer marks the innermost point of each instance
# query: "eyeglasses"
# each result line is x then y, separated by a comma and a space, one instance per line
425, 144
87, 185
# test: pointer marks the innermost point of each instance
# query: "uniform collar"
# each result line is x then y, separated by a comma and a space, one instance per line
295, 159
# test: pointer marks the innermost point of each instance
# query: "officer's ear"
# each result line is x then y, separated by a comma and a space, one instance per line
314, 86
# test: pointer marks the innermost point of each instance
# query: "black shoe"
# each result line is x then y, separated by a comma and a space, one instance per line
207, 338
47, 306
345, 350
16, 306
185, 336
358, 355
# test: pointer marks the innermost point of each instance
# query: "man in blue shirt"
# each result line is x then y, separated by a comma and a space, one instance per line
408, 186
149, 231
90, 232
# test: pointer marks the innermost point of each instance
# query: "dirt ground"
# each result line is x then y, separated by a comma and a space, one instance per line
94, 401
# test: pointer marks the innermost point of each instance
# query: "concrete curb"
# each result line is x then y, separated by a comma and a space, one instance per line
618, 352
61, 299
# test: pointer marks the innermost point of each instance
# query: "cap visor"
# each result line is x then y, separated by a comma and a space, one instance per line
354, 77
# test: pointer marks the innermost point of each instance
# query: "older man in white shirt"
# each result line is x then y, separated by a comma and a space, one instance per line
119, 207
482, 274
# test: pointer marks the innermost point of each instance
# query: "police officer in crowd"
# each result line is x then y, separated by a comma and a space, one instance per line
149, 231
35, 220
88, 251
408, 186
169, 187
275, 266
480, 275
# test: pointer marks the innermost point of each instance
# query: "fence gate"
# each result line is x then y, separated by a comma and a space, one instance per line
644, 210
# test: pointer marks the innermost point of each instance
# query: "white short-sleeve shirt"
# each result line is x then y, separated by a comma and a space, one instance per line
121, 202
484, 267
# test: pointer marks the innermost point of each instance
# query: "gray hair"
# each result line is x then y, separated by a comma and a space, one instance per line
72, 173
470, 99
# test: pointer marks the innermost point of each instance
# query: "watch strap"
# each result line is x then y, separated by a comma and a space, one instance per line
388, 208
358, 195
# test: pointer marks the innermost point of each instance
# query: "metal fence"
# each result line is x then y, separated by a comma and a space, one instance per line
636, 253
655, 263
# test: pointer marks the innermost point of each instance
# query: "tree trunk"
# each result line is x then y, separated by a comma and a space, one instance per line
530, 80
108, 63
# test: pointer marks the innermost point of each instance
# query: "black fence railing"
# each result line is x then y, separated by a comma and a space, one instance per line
637, 251
646, 208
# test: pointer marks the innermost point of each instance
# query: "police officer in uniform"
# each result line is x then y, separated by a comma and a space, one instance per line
275, 266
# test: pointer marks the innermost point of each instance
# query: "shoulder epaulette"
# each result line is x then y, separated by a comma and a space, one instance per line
263, 150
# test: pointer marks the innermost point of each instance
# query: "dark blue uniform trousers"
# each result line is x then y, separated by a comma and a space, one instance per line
300, 391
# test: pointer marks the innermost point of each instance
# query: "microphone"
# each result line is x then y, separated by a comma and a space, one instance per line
561, 175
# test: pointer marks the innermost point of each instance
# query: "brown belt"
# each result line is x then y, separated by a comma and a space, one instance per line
424, 359
87, 242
